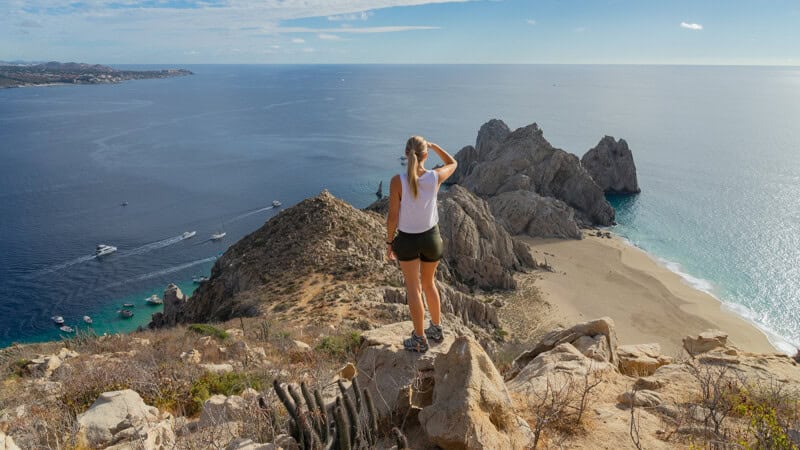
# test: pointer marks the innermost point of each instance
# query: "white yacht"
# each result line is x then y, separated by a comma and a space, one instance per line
87, 319
198, 280
188, 234
276, 203
217, 236
66, 329
58, 320
154, 300
103, 250
125, 313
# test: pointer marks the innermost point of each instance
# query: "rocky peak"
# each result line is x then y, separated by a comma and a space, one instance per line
610, 163
490, 136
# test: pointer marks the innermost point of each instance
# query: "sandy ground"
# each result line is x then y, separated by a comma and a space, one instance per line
597, 277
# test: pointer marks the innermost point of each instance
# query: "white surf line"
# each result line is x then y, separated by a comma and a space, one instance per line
161, 272
151, 246
61, 266
248, 214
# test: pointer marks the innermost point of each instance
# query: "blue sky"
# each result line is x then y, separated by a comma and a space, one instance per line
762, 32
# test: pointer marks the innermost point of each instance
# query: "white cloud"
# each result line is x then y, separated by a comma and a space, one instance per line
329, 37
691, 26
298, 41
530, 22
363, 15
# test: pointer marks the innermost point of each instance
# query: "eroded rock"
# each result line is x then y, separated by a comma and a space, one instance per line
525, 212
611, 166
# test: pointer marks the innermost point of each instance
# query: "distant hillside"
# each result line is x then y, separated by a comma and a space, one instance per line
19, 75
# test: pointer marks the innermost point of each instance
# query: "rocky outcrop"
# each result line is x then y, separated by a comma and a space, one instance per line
705, 341
477, 249
122, 416
641, 359
43, 366
174, 303
597, 338
611, 166
491, 136
471, 408
7, 443
467, 159
524, 160
525, 212
470, 310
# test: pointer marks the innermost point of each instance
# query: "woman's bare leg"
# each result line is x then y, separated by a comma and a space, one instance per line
431, 293
411, 275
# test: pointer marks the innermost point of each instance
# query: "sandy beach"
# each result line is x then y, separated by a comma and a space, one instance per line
597, 277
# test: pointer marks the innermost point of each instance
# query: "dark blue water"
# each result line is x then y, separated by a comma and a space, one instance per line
717, 150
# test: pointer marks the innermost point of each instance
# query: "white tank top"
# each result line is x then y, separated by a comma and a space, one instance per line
419, 214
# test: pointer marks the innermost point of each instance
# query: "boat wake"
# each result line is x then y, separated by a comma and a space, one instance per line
151, 246
62, 266
162, 272
250, 213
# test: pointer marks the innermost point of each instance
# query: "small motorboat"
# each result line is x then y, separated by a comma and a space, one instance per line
103, 250
154, 300
403, 158
125, 313
276, 203
58, 320
217, 236
66, 329
198, 280
123, 204
188, 234
87, 319
129, 305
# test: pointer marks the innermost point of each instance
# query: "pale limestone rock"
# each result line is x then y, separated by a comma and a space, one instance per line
600, 327
192, 357
235, 333
300, 346
220, 409
122, 415
611, 166
705, 341
7, 443
471, 406
642, 398
389, 372
217, 368
594, 347
248, 444
561, 366
142, 342
641, 359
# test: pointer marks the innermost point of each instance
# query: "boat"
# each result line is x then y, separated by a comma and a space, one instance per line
403, 158
58, 320
198, 280
87, 319
217, 236
124, 204
129, 305
188, 234
126, 313
66, 329
154, 300
103, 249
276, 203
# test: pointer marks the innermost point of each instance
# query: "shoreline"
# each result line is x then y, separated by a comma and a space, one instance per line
648, 302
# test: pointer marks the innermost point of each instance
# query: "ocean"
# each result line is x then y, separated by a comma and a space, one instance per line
717, 151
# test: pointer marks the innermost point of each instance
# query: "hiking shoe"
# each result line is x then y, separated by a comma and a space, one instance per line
434, 333
416, 343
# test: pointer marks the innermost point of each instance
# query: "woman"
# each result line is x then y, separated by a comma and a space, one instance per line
413, 214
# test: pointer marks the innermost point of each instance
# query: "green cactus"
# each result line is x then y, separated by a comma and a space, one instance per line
342, 426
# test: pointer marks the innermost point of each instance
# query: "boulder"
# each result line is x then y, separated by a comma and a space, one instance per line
478, 250
644, 398
555, 369
248, 444
611, 166
705, 341
217, 368
43, 366
471, 407
299, 346
122, 415
398, 380
525, 160
7, 443
528, 213
602, 329
192, 357
641, 359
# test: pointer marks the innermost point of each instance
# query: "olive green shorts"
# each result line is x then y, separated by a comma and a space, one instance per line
427, 246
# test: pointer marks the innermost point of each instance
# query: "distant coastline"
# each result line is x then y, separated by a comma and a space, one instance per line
56, 74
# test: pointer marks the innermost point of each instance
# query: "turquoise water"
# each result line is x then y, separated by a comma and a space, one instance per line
717, 151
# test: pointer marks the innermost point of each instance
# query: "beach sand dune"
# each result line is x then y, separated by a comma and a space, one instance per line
597, 277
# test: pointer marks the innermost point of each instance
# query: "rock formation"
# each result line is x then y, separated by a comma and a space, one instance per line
467, 159
122, 416
524, 160
174, 302
471, 408
610, 164
478, 250
525, 212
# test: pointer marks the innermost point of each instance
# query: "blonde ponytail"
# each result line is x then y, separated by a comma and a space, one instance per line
415, 149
